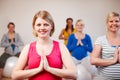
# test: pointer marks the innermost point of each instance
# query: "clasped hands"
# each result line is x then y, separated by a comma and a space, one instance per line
79, 43
12, 40
116, 57
44, 64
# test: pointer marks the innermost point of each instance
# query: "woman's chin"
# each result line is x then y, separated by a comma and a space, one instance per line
43, 36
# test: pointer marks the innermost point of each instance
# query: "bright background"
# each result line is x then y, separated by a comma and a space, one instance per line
21, 12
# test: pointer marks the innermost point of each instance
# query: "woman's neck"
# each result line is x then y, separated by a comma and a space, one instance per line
79, 35
112, 34
44, 41
79, 32
113, 38
10, 32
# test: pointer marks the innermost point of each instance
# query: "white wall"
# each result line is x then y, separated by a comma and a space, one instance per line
93, 13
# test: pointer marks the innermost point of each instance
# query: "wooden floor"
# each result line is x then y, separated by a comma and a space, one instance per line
6, 79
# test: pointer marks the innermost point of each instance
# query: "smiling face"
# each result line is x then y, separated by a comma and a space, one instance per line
42, 28
43, 24
113, 23
69, 22
79, 25
11, 27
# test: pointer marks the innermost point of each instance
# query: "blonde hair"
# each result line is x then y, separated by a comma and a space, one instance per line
112, 14
47, 17
79, 20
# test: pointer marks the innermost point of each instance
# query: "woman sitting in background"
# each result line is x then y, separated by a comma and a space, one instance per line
11, 41
65, 33
79, 43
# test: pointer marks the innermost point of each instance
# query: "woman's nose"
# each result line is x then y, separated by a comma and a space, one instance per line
42, 27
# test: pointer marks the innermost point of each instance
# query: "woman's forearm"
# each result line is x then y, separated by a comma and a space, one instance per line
102, 62
23, 74
64, 73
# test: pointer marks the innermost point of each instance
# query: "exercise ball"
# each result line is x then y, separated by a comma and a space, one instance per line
76, 62
91, 68
83, 74
9, 65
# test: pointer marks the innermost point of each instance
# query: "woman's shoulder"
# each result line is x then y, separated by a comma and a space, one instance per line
87, 35
61, 45
5, 34
26, 47
101, 37
74, 30
57, 42
17, 34
72, 36
30, 44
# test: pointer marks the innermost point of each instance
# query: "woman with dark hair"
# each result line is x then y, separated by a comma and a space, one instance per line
69, 29
11, 42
